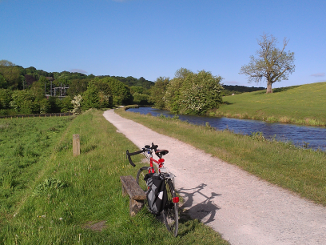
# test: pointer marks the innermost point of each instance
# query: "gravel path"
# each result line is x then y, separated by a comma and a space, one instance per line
238, 205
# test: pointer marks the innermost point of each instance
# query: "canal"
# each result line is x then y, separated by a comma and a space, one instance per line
301, 136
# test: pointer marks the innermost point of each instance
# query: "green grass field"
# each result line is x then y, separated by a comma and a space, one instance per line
302, 171
50, 197
305, 105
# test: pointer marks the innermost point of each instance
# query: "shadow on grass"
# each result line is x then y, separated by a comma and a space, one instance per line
227, 103
277, 90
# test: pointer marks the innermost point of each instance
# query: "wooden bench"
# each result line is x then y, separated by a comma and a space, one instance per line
136, 194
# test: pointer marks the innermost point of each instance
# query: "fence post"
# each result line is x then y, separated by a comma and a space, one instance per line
76, 145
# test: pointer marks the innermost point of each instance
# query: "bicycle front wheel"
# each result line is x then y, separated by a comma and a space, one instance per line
142, 183
140, 178
170, 212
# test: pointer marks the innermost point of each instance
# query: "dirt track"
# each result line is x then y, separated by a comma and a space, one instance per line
241, 207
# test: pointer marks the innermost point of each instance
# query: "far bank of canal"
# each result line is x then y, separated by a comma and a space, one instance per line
302, 136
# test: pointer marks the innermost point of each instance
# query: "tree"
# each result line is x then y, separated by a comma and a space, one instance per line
191, 93
91, 97
6, 63
11, 74
271, 63
121, 92
157, 92
5, 98
3, 82
200, 92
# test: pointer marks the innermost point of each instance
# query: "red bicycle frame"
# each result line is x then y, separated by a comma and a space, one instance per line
159, 162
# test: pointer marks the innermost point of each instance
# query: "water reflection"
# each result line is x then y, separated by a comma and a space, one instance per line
313, 137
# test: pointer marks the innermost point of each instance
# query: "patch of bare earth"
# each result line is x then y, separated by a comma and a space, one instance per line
98, 226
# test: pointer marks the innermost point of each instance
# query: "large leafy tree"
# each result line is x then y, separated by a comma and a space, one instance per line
121, 92
200, 92
188, 92
157, 92
271, 63
11, 74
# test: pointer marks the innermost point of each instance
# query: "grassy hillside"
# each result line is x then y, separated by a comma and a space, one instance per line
304, 105
47, 196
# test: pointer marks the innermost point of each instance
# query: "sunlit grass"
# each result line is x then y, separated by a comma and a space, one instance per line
305, 105
300, 170
68, 196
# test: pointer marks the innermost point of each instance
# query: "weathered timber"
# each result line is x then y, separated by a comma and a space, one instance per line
136, 194
76, 145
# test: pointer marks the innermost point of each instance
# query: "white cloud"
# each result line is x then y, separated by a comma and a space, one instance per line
79, 71
322, 74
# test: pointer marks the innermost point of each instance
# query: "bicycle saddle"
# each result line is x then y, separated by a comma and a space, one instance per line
161, 152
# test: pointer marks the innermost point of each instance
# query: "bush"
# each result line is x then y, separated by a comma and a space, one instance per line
191, 93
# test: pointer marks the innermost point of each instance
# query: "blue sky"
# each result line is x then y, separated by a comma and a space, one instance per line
153, 38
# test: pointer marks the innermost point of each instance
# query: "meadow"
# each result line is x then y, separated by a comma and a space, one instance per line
304, 105
299, 170
48, 196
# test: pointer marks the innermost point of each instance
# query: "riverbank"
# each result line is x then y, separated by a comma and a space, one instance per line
243, 208
299, 170
299, 135
301, 105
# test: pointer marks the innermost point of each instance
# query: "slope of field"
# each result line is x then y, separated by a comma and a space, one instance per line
48, 196
304, 105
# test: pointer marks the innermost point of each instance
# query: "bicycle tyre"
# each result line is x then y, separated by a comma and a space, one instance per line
170, 212
142, 183
140, 178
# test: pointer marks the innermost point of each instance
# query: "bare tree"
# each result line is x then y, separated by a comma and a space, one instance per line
271, 63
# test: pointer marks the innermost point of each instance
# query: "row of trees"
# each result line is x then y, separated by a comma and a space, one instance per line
187, 92
23, 90
95, 93
100, 93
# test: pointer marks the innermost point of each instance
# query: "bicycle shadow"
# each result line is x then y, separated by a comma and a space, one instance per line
204, 211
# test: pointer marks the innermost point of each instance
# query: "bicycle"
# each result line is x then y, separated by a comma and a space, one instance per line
170, 210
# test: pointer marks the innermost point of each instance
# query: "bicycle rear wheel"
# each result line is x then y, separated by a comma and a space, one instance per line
170, 212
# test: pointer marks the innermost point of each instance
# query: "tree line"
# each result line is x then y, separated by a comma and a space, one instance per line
28, 90
24, 90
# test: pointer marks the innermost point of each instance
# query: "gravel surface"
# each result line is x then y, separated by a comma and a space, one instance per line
238, 205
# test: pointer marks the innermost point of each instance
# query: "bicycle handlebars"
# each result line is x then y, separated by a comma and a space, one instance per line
146, 148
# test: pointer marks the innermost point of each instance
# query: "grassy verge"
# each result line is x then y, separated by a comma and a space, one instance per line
304, 105
25, 144
78, 200
300, 170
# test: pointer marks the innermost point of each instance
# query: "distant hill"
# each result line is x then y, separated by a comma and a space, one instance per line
235, 89
131, 81
17, 77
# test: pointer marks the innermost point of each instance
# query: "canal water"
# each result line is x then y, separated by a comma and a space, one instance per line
302, 136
